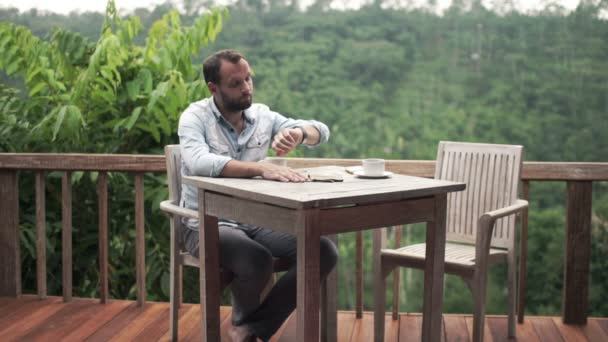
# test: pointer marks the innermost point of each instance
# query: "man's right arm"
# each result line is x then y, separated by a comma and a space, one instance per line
201, 162
243, 169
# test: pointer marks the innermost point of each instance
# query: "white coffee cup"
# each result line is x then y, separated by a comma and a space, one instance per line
276, 161
373, 167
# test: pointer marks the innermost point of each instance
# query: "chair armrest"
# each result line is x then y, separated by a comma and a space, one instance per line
493, 215
172, 209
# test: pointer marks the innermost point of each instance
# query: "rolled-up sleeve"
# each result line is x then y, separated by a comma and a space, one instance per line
281, 122
195, 149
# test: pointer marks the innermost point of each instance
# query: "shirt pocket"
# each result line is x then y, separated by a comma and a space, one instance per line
257, 147
216, 147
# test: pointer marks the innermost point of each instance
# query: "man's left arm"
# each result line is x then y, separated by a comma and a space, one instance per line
289, 133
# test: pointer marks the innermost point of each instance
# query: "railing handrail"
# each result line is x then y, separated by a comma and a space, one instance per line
532, 170
578, 175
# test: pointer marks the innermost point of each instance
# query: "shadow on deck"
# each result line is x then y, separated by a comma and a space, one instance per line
30, 319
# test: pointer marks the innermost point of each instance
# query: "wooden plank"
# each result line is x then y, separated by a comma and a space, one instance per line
189, 319
226, 323
24, 321
363, 329
142, 321
119, 322
577, 256
526, 333
523, 257
66, 234
41, 234
305, 195
569, 333
10, 267
194, 334
97, 318
156, 163
241, 210
359, 274
69, 319
603, 322
551, 171
308, 277
546, 329
595, 331
288, 334
498, 327
433, 272
455, 328
83, 162
487, 334
367, 216
17, 308
157, 328
140, 243
396, 275
346, 323
410, 328
102, 193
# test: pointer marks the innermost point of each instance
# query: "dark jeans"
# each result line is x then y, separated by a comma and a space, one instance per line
248, 252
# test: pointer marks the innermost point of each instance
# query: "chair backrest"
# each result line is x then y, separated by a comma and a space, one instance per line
173, 157
492, 173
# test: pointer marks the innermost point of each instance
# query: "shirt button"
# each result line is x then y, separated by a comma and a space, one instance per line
232, 130
238, 150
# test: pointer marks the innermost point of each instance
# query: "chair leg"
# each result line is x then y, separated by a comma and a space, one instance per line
175, 279
479, 304
512, 298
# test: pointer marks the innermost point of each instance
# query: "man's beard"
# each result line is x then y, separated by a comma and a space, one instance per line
232, 105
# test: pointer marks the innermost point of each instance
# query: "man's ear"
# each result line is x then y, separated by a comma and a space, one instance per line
212, 87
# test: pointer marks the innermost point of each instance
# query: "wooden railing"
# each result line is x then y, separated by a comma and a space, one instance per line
579, 178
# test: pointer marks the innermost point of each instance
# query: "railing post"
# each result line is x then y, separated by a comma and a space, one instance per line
359, 274
10, 262
66, 234
140, 246
578, 249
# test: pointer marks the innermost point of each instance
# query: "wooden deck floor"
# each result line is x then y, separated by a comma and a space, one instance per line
30, 319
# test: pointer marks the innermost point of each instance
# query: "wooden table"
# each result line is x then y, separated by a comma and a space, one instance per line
310, 210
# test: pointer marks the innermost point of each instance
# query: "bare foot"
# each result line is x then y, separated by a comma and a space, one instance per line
240, 333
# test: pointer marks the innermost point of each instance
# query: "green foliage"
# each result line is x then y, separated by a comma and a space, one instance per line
112, 96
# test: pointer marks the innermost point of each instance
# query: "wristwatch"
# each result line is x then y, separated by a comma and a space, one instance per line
304, 134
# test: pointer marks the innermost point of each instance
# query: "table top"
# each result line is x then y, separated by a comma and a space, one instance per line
351, 191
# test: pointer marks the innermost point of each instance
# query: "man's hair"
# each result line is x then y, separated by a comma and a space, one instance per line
211, 65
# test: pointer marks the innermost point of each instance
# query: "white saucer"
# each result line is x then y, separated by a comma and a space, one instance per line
360, 174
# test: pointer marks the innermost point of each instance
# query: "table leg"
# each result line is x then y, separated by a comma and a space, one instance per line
209, 273
308, 287
433, 273
329, 303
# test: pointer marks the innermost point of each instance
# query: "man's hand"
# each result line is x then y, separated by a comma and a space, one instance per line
287, 140
281, 173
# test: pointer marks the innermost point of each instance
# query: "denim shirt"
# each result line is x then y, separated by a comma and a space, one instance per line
208, 141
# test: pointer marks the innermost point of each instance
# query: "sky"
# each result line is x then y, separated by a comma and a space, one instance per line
67, 6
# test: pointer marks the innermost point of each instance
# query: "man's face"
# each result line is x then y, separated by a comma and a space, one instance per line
235, 90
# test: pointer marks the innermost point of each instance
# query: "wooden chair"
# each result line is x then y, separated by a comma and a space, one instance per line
179, 256
480, 226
